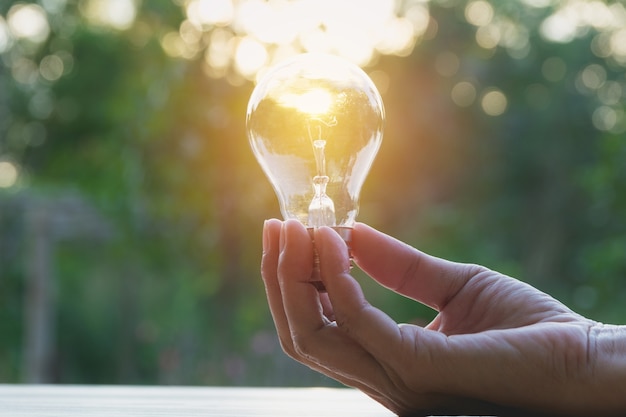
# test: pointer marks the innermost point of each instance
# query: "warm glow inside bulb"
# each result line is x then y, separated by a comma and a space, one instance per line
315, 123
314, 102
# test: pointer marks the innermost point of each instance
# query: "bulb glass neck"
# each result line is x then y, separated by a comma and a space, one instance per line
316, 279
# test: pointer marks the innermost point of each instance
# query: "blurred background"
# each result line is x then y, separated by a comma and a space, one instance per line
131, 206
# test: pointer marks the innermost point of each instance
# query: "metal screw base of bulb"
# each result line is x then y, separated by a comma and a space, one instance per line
346, 235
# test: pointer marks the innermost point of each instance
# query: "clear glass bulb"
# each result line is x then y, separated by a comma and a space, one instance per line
315, 123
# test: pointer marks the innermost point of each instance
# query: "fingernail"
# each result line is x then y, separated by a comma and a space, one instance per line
266, 237
283, 238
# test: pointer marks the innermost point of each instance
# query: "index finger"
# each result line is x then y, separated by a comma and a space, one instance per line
394, 264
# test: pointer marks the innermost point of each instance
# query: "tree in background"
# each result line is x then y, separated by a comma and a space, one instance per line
131, 206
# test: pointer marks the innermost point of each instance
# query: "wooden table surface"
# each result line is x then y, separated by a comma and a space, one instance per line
168, 401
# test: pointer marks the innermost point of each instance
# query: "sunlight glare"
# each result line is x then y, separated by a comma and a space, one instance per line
206, 13
399, 38
419, 16
250, 56
219, 52
266, 30
275, 22
315, 40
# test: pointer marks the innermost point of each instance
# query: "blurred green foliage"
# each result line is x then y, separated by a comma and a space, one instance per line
152, 204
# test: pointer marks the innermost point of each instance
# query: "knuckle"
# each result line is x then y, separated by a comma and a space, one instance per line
287, 347
349, 321
304, 345
344, 323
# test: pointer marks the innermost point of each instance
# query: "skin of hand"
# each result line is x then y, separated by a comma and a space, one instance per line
497, 345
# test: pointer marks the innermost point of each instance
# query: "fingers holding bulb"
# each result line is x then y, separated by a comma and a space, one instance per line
372, 329
306, 333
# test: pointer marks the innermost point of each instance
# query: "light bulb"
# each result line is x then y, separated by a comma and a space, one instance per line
315, 123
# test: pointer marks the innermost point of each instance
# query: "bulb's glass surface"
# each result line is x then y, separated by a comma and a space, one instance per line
315, 123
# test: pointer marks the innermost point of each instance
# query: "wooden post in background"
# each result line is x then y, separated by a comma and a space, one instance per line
40, 301
50, 220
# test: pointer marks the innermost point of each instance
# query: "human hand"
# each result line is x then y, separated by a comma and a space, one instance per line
497, 344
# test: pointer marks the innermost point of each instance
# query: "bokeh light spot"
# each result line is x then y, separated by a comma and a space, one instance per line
250, 56
399, 38
479, 13
190, 33
494, 102
175, 46
205, 13
605, 118
593, 76
51, 67
25, 71
8, 174
618, 43
601, 45
419, 16
28, 21
463, 94
218, 54
5, 37
488, 37
611, 93
558, 28
117, 14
